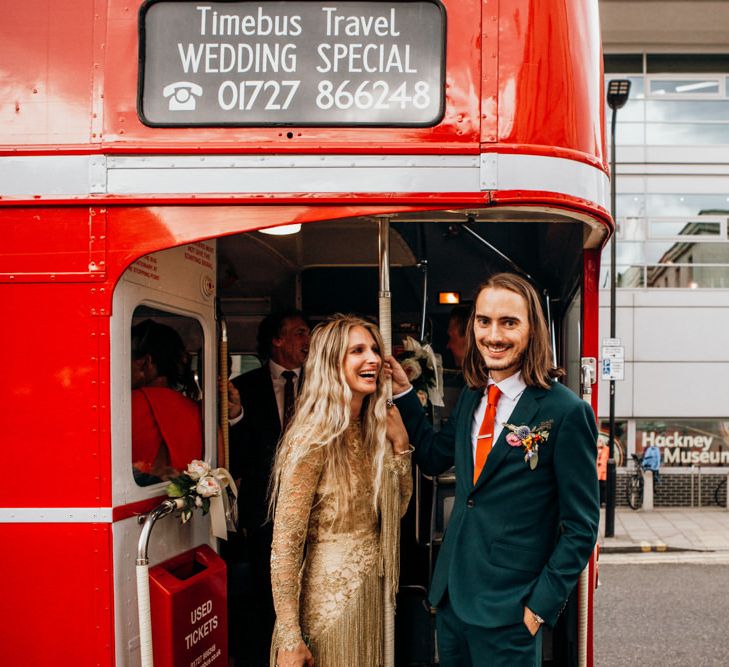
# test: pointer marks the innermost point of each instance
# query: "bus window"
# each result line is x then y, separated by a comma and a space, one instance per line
242, 363
167, 430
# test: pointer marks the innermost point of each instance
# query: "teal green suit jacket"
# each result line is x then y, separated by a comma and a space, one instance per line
518, 536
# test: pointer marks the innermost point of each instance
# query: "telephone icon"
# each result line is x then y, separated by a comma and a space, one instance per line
182, 95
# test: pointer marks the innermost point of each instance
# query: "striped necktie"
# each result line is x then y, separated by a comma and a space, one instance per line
289, 399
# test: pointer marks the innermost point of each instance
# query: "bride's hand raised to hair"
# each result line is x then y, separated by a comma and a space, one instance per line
394, 370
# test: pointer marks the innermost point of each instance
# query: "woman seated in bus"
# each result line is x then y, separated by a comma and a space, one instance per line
166, 422
339, 487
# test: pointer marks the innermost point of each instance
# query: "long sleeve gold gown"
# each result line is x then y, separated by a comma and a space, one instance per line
327, 576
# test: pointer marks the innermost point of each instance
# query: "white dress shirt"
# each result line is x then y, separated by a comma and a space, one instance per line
279, 382
511, 390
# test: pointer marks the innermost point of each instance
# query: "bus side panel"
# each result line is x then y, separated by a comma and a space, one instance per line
47, 52
550, 83
55, 398
133, 231
57, 592
457, 131
53, 244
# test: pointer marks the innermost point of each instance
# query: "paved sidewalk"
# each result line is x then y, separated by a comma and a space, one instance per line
679, 529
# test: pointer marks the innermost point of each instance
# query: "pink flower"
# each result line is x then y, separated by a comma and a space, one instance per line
513, 439
208, 487
197, 469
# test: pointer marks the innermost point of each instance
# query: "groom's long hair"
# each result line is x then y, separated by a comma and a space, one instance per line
537, 366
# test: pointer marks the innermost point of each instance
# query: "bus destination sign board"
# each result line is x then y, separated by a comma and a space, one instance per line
291, 63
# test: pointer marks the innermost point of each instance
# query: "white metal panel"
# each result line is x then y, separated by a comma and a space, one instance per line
629, 184
681, 389
675, 168
551, 174
624, 298
624, 389
55, 515
168, 538
182, 296
624, 328
186, 271
624, 392
172, 282
681, 334
687, 184
46, 175
297, 173
629, 154
247, 174
699, 155
681, 298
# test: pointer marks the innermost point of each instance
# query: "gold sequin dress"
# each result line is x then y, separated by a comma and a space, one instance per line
327, 577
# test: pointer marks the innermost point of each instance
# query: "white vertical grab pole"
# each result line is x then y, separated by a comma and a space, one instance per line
385, 316
223, 391
144, 607
145, 616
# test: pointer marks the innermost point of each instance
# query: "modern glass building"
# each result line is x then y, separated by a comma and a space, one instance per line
672, 238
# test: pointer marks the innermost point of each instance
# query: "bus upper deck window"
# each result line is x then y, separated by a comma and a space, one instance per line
167, 429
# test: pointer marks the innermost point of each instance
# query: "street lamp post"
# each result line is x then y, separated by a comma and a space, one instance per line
617, 95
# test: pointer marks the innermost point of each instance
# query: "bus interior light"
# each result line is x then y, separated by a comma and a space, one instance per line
283, 230
450, 298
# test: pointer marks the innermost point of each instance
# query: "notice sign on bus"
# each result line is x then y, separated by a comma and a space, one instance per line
291, 63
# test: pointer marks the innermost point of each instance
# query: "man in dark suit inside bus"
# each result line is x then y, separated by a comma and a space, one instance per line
526, 509
257, 421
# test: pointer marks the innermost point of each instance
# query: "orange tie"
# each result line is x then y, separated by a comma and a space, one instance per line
486, 433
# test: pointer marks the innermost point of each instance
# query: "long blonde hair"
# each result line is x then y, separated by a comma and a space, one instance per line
323, 414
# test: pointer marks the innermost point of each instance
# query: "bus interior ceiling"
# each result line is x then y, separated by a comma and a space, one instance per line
332, 266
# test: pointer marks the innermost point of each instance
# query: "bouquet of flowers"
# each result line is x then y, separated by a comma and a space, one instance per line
420, 365
198, 486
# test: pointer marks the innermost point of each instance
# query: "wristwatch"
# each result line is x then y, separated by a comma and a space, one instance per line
538, 618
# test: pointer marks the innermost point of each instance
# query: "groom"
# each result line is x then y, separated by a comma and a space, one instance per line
526, 509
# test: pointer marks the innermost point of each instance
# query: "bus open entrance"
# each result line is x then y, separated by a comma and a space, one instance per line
331, 266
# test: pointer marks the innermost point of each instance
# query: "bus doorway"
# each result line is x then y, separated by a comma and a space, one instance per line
163, 397
331, 267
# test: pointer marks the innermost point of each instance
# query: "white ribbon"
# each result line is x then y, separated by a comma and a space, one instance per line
219, 509
435, 394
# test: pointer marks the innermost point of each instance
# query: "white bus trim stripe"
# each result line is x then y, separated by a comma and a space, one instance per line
80, 175
56, 515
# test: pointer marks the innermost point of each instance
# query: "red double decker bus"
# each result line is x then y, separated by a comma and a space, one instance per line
146, 149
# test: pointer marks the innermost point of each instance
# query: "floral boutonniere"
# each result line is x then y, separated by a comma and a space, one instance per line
529, 439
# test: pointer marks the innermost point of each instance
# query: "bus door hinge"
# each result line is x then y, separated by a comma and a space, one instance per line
488, 171
97, 174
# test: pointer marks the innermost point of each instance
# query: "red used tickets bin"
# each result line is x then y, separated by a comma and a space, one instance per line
189, 610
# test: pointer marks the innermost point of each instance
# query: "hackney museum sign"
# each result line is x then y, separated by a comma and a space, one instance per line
291, 63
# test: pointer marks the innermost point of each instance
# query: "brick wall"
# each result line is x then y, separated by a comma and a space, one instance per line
675, 490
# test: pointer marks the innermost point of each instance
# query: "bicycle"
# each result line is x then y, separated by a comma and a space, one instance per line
635, 484
721, 486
